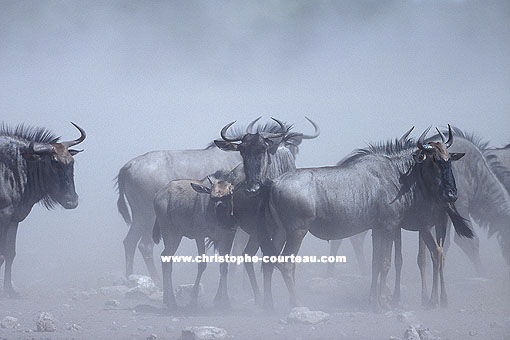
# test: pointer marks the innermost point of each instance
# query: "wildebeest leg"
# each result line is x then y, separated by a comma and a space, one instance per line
387, 245
200, 242
334, 245
376, 266
268, 268
398, 266
251, 249
433, 247
146, 247
240, 241
471, 247
130, 242
357, 243
171, 244
422, 265
294, 239
3, 235
440, 238
10, 253
224, 247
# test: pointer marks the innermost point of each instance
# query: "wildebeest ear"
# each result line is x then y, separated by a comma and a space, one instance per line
226, 146
32, 156
74, 152
455, 156
419, 156
200, 188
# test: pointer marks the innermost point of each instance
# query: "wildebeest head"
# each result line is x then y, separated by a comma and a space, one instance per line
221, 194
256, 148
435, 166
55, 165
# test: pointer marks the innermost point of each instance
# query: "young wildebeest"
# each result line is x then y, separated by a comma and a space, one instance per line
34, 167
363, 193
182, 210
267, 153
140, 178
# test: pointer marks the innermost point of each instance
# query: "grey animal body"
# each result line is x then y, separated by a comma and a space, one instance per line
141, 178
363, 193
35, 167
266, 154
196, 210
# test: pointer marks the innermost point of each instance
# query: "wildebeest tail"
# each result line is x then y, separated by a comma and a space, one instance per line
156, 232
461, 225
121, 202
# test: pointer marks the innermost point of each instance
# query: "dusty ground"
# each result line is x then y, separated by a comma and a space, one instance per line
479, 307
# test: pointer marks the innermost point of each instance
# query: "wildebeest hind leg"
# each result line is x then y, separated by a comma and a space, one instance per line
171, 244
251, 249
200, 242
398, 267
133, 236
146, 247
334, 245
433, 247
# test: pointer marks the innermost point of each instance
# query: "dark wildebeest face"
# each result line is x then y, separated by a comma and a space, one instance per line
254, 148
56, 163
221, 194
435, 163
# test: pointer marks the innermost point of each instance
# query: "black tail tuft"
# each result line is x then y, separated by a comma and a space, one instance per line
121, 202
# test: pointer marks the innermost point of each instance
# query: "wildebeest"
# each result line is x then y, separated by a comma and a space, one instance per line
140, 178
182, 210
35, 167
383, 188
266, 154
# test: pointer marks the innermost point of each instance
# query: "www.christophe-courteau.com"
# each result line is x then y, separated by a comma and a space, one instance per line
255, 259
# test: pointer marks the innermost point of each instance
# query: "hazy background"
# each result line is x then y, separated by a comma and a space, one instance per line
140, 76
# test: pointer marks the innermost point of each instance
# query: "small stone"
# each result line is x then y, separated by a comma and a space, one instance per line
113, 303
425, 334
9, 322
45, 323
152, 337
305, 316
282, 322
74, 327
411, 334
395, 338
175, 319
203, 333
406, 317
472, 333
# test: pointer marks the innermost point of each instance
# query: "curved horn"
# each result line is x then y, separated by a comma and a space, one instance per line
315, 134
280, 134
405, 135
40, 148
249, 128
443, 138
421, 140
210, 180
76, 141
224, 131
449, 142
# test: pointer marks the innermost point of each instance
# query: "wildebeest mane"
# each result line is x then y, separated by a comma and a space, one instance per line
35, 174
29, 133
391, 147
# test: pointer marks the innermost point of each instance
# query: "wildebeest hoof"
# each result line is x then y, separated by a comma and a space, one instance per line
10, 293
444, 303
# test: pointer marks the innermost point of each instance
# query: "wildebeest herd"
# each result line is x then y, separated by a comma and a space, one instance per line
248, 180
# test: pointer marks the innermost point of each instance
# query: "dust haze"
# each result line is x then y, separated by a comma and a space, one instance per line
143, 76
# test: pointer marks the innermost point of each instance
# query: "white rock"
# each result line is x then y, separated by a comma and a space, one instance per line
152, 337
407, 317
141, 281
114, 292
45, 323
74, 327
203, 333
9, 322
156, 296
306, 316
112, 302
411, 334
183, 293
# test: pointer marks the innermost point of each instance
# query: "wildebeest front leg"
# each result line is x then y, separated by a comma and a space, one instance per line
200, 242
376, 267
441, 228
357, 244
225, 246
433, 247
251, 249
398, 266
294, 239
10, 253
334, 245
422, 264
387, 244
171, 244
268, 268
